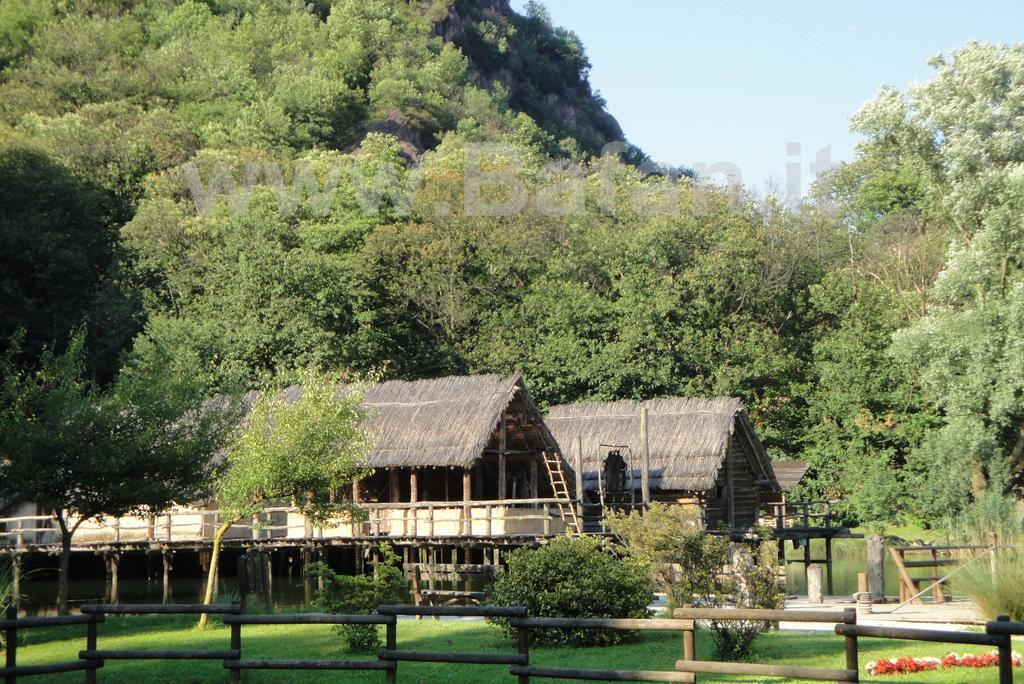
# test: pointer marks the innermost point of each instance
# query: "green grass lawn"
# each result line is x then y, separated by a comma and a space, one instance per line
656, 651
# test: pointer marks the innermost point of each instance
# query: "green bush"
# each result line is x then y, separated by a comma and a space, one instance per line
573, 578
360, 595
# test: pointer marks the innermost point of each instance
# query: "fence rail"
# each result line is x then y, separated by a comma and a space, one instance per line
997, 634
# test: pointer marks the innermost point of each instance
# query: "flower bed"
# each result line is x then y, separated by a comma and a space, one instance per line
906, 664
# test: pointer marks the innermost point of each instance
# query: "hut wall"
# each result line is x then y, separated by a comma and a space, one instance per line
745, 493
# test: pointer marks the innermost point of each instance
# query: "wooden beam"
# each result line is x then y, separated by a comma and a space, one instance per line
578, 465
502, 474
467, 484
394, 485
645, 459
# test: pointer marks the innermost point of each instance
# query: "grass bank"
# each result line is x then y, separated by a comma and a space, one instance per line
656, 651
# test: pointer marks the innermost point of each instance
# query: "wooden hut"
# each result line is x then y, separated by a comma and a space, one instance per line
702, 452
463, 439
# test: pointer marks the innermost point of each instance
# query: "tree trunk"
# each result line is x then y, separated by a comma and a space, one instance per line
211, 576
65, 564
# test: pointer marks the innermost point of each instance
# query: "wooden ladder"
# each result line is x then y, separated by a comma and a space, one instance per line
566, 507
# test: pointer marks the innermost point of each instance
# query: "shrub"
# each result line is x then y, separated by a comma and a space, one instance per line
573, 578
359, 595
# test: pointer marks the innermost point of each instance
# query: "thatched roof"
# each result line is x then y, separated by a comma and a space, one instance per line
688, 438
436, 422
789, 473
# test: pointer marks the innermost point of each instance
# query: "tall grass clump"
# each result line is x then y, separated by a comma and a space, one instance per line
996, 587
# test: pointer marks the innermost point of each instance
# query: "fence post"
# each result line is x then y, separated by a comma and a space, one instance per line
236, 645
391, 644
523, 632
993, 542
852, 655
91, 634
1005, 655
689, 647
11, 644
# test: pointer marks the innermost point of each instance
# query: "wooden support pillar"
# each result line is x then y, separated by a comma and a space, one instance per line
807, 556
16, 583
394, 485
467, 496
828, 566
307, 580
114, 563
168, 558
534, 494
875, 569
578, 466
414, 485
645, 460
502, 474
150, 527
355, 492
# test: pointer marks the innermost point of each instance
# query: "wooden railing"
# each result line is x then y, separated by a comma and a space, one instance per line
419, 519
997, 635
813, 514
908, 559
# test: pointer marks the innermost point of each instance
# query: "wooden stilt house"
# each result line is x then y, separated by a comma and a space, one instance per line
701, 452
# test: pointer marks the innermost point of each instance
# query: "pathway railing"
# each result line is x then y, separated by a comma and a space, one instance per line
11, 624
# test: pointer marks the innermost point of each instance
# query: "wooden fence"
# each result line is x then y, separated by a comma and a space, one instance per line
839, 618
997, 635
932, 558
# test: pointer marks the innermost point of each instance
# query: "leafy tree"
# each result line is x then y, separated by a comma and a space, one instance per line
85, 453
300, 446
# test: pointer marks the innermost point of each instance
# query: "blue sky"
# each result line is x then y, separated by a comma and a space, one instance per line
737, 81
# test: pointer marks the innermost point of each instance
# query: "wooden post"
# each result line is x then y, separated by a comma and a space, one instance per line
307, 581
235, 674
414, 485
876, 569
533, 478
547, 521
167, 526
689, 647
256, 518
993, 559
467, 496
391, 644
850, 643
1005, 655
114, 561
523, 634
814, 594
150, 527
862, 582
11, 646
502, 474
578, 465
645, 460
90, 645
828, 566
937, 594
394, 485
16, 583
168, 558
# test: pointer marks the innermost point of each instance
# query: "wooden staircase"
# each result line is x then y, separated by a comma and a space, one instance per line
555, 466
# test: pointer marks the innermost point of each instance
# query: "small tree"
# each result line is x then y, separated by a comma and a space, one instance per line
85, 452
361, 594
695, 567
298, 450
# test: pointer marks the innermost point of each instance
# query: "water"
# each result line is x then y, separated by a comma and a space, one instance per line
849, 557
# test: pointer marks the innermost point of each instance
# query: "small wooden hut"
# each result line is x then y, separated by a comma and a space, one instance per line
702, 452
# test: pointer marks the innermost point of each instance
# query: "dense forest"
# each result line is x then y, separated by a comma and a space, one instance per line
164, 169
